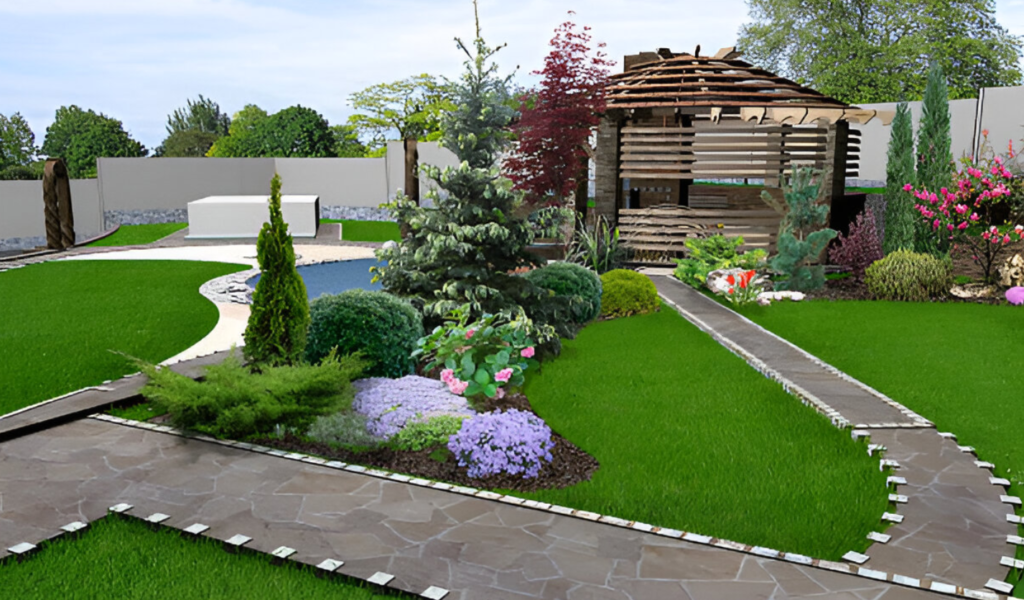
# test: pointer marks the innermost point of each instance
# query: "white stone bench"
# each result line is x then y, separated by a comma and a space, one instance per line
243, 216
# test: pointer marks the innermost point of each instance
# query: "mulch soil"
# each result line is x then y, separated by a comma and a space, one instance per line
847, 289
569, 466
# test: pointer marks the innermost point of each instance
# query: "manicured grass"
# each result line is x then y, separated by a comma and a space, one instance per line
690, 437
131, 235
367, 231
959, 365
122, 559
59, 320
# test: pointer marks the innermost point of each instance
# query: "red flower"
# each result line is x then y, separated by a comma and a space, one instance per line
731, 279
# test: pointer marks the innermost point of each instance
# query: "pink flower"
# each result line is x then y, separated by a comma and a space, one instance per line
457, 386
1006, 239
962, 226
528, 351
907, 187
470, 333
499, 393
503, 375
447, 375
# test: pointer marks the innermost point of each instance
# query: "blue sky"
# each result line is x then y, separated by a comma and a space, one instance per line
138, 60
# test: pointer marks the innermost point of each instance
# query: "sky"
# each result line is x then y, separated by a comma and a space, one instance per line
139, 60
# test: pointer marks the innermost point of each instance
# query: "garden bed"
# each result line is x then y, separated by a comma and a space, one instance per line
569, 464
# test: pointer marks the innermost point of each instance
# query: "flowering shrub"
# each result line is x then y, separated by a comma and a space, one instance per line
859, 249
510, 442
743, 288
480, 357
705, 255
982, 210
390, 404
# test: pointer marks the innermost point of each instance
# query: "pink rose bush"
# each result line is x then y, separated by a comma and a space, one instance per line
983, 210
483, 357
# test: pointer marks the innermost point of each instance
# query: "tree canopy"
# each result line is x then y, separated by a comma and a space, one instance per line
296, 131
557, 119
413, 107
866, 51
193, 129
17, 142
81, 136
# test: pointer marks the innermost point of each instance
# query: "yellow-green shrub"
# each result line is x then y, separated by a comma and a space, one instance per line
626, 292
908, 276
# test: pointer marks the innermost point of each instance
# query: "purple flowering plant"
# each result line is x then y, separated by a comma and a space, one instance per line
390, 404
510, 442
483, 356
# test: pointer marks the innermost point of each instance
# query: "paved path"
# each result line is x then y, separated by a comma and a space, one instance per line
477, 548
954, 527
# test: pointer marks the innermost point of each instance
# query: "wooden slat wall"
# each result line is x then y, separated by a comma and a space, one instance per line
664, 229
688, 153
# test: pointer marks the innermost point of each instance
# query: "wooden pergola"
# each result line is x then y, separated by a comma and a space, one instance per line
673, 118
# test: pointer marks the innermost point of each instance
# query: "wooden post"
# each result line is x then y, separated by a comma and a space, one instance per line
681, 187
838, 141
607, 183
60, 218
412, 178
582, 186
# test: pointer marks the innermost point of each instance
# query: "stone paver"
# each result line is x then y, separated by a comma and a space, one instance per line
478, 549
953, 524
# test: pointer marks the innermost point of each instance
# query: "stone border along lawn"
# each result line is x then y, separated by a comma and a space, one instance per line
959, 364
367, 231
134, 235
119, 556
690, 437
61, 318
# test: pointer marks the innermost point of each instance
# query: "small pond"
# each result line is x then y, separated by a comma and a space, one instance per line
334, 277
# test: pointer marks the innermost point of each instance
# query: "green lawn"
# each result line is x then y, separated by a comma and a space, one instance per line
367, 231
59, 319
122, 559
690, 437
132, 235
959, 365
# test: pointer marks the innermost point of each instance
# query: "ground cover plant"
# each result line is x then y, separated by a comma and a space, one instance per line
689, 436
124, 559
55, 338
954, 363
135, 235
367, 231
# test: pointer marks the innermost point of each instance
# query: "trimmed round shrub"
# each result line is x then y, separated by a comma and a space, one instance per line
514, 442
627, 293
383, 328
432, 433
581, 285
908, 276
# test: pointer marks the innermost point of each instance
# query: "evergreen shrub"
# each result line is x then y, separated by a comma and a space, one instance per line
580, 285
909, 276
432, 433
382, 328
627, 293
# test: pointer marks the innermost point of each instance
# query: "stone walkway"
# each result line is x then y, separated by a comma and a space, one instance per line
478, 549
954, 517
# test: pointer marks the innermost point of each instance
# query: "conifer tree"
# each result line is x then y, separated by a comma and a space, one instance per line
463, 252
934, 157
900, 215
276, 332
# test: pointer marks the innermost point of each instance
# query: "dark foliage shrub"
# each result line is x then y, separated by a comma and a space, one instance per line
580, 285
909, 276
859, 249
383, 328
627, 293
236, 403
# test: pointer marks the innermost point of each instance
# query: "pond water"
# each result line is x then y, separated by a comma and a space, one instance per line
334, 277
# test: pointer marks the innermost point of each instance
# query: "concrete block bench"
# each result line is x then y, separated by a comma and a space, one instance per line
243, 216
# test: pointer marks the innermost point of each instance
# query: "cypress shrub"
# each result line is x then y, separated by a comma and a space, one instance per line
276, 332
934, 164
900, 214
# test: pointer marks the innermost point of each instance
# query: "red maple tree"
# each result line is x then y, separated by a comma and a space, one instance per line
553, 150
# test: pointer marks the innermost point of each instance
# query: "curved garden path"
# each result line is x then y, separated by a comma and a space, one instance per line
954, 517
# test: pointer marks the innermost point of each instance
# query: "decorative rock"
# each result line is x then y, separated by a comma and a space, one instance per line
786, 295
973, 290
1011, 272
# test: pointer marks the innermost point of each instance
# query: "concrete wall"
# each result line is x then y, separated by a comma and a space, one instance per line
1000, 113
358, 182
429, 154
23, 224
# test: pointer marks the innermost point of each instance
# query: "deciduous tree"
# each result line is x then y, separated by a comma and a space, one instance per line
192, 130
864, 51
553, 134
81, 136
408, 108
17, 142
